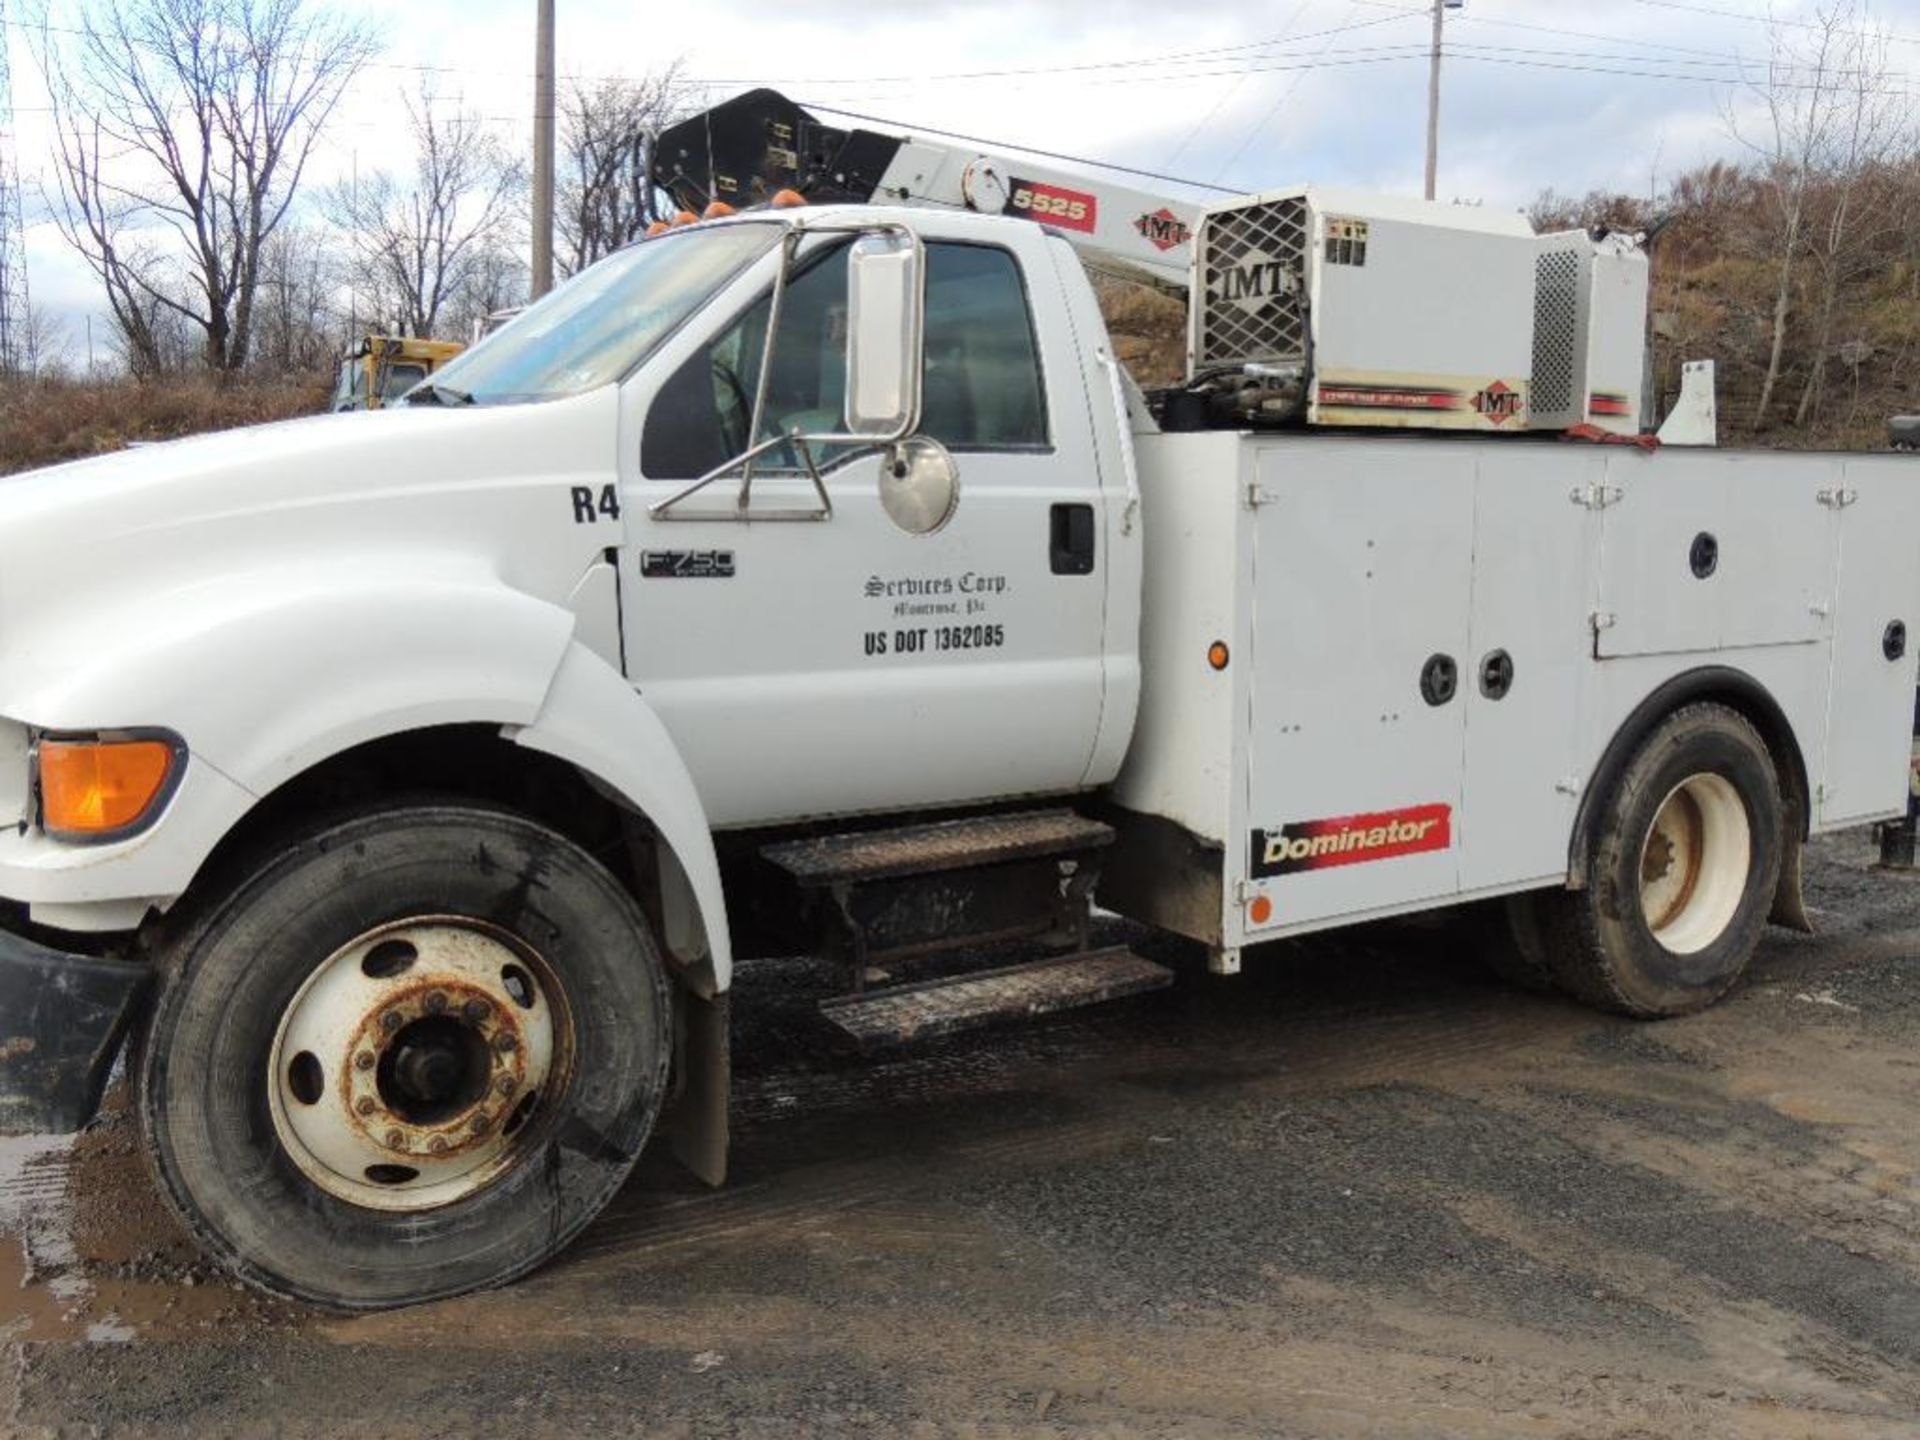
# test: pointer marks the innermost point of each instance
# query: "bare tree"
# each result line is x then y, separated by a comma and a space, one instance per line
183, 128
1860, 199
1821, 108
606, 139
296, 326
420, 243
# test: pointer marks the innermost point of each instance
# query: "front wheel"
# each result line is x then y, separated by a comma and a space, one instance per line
1681, 871
411, 1055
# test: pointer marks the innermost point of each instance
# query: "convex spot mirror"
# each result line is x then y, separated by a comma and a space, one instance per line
919, 485
886, 317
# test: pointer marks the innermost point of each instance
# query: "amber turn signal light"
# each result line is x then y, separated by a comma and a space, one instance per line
1217, 655
98, 789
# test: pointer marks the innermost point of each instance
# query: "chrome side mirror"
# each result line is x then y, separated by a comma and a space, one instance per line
886, 324
919, 485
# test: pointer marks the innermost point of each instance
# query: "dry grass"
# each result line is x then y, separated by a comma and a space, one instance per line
48, 421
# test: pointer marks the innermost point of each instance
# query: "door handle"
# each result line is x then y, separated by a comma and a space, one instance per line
1070, 539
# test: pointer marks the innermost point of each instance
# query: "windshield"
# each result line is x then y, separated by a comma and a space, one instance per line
600, 324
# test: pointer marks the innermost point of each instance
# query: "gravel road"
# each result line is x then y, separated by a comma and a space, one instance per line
1361, 1190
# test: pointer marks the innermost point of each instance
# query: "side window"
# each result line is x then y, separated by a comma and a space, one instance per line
983, 383
983, 364
700, 418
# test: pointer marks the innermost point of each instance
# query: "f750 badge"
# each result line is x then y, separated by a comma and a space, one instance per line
686, 564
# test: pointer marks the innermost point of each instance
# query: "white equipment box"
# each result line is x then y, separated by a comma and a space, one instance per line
1589, 333
1394, 312
1430, 647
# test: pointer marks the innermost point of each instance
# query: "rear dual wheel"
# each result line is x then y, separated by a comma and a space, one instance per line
408, 1056
1680, 874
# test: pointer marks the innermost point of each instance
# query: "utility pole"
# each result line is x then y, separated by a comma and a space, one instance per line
543, 153
1433, 97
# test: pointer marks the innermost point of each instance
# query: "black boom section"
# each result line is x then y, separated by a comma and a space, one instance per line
747, 149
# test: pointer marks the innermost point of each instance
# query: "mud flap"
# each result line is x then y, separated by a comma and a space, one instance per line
1789, 903
62, 1018
697, 1125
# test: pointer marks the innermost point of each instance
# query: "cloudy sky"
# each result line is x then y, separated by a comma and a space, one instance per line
1617, 93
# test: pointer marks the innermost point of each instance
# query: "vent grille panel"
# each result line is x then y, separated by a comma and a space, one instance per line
1556, 331
1253, 262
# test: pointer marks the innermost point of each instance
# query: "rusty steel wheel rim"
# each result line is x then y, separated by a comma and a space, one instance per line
1694, 863
412, 1068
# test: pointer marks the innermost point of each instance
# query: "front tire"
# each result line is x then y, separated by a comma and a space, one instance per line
1681, 871
411, 1055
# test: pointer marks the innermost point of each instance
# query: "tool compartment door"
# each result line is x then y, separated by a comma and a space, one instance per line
1756, 518
1870, 703
1362, 572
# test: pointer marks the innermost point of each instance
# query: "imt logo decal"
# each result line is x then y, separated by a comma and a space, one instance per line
1500, 402
1351, 840
1251, 281
1163, 229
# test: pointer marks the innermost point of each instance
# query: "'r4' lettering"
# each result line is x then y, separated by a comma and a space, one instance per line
587, 510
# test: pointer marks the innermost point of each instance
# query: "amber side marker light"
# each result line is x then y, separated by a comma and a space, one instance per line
102, 789
1217, 655
1261, 910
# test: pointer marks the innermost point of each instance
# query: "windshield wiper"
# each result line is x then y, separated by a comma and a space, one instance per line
432, 393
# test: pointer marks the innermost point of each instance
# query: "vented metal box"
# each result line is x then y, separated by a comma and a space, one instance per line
1396, 313
1589, 332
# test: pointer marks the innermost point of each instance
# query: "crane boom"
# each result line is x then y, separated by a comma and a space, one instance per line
745, 150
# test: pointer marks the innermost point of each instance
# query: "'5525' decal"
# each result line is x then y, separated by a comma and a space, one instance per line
1053, 205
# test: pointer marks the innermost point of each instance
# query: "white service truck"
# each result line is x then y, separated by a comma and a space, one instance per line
407, 783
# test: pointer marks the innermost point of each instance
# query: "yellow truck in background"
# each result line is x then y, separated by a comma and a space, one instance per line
380, 368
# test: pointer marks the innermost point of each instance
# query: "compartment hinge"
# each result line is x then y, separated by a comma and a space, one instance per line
1256, 497
1596, 497
1839, 496
1602, 620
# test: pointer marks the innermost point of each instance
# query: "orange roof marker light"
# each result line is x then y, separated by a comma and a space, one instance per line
787, 200
658, 227
719, 209
686, 217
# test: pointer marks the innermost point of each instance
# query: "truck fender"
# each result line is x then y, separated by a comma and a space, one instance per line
267, 674
597, 722
1740, 691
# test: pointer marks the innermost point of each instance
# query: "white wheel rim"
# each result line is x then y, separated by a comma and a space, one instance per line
408, 1070
1694, 863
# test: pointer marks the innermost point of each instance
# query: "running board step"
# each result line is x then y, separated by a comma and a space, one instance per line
865, 856
900, 1014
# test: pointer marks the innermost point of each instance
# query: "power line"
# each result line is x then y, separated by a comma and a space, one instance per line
1771, 21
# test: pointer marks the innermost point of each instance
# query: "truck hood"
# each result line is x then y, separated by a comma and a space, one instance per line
93, 549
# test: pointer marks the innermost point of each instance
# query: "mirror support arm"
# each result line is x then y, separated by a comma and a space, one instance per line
667, 509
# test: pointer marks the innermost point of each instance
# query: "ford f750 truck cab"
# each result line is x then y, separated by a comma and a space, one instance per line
407, 783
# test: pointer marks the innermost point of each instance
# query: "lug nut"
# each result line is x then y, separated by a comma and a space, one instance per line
438, 1145
390, 1021
506, 1085
476, 1010
436, 1002
363, 1061
478, 1124
365, 1105
396, 1140
505, 1042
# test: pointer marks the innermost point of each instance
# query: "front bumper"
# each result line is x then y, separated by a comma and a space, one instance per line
62, 1020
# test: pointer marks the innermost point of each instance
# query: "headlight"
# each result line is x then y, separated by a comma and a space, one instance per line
107, 786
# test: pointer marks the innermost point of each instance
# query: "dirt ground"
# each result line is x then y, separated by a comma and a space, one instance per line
1361, 1190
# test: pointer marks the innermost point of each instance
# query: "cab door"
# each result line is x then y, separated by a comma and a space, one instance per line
808, 668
